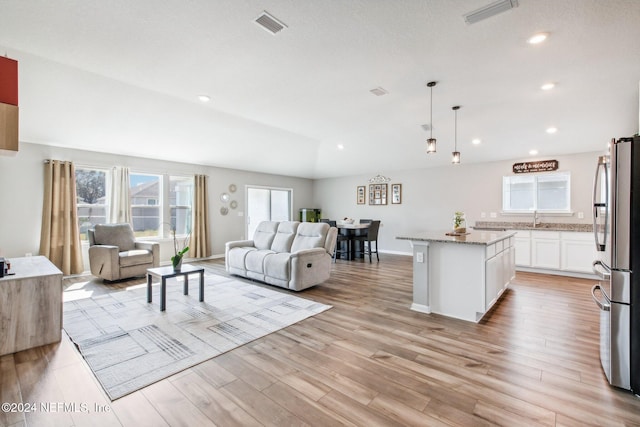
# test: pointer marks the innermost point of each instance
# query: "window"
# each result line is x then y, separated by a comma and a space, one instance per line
180, 203
267, 204
146, 208
542, 192
91, 193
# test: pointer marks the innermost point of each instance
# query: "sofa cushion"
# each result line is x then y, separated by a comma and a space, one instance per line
135, 257
284, 237
120, 235
278, 266
236, 257
255, 260
264, 234
310, 235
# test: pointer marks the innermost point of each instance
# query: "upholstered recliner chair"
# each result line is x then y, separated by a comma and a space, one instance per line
114, 253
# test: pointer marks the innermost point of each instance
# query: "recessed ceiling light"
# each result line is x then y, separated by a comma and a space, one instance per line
547, 86
533, 152
204, 98
379, 91
476, 141
340, 147
538, 38
552, 130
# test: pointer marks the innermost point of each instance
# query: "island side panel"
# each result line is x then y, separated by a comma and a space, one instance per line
457, 285
420, 276
30, 305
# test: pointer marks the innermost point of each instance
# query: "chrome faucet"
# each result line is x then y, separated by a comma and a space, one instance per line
536, 222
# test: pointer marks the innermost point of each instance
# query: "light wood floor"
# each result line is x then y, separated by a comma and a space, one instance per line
368, 361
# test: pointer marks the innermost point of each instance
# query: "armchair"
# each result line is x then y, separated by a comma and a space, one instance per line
114, 253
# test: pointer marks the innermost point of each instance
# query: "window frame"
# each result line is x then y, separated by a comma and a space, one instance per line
107, 196
160, 205
506, 183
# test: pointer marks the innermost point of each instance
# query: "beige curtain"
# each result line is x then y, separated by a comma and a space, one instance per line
120, 206
60, 236
200, 246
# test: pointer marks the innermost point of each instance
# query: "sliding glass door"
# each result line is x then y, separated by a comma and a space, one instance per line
267, 204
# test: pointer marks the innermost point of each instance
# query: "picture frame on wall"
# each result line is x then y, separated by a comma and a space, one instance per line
396, 194
377, 194
361, 195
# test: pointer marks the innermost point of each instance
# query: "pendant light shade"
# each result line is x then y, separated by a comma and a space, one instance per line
431, 142
455, 158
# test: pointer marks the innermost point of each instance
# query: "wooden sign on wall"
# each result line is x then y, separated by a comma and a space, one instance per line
539, 166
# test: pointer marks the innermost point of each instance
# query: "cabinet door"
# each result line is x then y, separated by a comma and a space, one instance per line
545, 253
508, 266
523, 251
493, 280
577, 255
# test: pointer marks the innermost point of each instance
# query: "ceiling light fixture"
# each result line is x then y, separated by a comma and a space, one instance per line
455, 159
340, 147
552, 130
538, 38
533, 152
476, 141
547, 86
431, 142
489, 11
204, 98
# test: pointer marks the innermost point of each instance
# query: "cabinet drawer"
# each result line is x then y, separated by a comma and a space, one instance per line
577, 236
499, 246
545, 235
491, 250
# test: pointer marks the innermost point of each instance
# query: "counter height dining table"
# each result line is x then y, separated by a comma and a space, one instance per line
350, 230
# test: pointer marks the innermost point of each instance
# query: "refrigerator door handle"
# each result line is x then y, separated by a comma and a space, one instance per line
604, 306
605, 273
602, 163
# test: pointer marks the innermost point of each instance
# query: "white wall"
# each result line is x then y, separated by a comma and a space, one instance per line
431, 196
22, 180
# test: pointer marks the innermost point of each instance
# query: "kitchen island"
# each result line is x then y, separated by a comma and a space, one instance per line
460, 276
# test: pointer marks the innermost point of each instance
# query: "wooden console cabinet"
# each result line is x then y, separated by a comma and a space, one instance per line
30, 305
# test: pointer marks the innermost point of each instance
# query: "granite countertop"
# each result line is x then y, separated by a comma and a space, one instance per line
472, 238
544, 226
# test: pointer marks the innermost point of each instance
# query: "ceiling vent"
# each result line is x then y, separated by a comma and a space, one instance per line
489, 11
378, 91
269, 23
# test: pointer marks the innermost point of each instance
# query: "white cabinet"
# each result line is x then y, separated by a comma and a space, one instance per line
523, 248
499, 269
567, 251
493, 280
545, 249
578, 252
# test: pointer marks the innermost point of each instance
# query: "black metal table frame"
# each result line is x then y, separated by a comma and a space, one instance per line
164, 273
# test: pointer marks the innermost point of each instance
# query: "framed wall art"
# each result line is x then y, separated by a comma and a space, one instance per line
377, 194
361, 195
396, 194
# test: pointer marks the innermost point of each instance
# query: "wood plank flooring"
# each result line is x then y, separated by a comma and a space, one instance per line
367, 361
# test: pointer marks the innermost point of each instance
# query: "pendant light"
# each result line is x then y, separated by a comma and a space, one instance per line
431, 142
455, 159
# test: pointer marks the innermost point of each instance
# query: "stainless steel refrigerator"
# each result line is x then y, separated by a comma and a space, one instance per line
616, 226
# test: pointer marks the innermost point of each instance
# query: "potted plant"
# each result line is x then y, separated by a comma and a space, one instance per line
459, 223
176, 259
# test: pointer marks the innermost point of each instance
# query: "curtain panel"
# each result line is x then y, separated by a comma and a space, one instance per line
200, 235
120, 206
60, 236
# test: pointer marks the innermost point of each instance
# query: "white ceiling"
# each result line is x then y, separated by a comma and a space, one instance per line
123, 76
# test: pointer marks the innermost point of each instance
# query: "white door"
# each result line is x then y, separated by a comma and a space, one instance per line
267, 204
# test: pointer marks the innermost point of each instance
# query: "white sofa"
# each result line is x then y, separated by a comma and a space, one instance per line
290, 254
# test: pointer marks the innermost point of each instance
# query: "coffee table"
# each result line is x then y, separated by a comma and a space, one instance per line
164, 273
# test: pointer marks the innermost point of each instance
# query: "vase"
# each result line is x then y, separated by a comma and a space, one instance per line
459, 224
177, 263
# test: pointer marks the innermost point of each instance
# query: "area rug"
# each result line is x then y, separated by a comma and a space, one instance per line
129, 344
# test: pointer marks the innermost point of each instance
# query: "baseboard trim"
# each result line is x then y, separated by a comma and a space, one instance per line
421, 308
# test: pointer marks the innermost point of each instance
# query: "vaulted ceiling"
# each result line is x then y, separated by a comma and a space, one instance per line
124, 76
